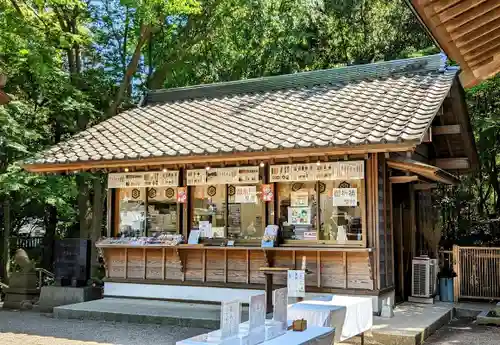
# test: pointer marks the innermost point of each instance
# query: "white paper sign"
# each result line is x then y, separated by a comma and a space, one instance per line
205, 229
300, 198
143, 179
245, 194
280, 298
214, 176
296, 283
230, 319
327, 171
345, 197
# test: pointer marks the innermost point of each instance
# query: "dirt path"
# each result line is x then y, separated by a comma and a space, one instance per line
29, 328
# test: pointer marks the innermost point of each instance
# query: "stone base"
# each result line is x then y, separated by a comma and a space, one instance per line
55, 296
20, 298
488, 318
423, 300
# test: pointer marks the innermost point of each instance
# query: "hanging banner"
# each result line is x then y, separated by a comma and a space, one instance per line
182, 195
317, 172
143, 179
345, 197
245, 194
296, 283
213, 176
267, 192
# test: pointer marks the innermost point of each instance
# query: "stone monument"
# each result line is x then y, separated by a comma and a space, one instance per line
22, 292
72, 272
257, 320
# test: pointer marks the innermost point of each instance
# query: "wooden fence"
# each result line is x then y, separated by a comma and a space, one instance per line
478, 272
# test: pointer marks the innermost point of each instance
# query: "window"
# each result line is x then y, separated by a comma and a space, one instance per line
243, 218
341, 210
339, 204
148, 211
162, 215
209, 206
132, 212
298, 210
246, 212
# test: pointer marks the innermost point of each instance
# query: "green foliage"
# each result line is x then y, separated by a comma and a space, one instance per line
73, 63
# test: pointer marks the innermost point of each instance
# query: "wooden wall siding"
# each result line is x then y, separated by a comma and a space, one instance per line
382, 247
154, 264
389, 232
329, 269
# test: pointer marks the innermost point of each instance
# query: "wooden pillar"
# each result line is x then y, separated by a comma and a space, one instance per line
456, 268
269, 292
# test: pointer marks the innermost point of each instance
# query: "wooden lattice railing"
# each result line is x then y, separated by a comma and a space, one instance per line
478, 272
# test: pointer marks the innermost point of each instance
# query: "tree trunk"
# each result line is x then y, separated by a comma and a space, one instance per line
97, 220
131, 69
50, 234
6, 240
82, 206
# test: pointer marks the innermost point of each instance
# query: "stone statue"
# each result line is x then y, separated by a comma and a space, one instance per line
22, 291
22, 259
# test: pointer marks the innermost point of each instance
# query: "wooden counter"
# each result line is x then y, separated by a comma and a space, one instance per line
331, 267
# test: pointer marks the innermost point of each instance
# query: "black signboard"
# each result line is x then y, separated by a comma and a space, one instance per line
72, 262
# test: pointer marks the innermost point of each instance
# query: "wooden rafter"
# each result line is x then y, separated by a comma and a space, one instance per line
446, 130
458, 163
233, 158
468, 31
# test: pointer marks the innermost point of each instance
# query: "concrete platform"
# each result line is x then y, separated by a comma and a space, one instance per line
413, 323
146, 311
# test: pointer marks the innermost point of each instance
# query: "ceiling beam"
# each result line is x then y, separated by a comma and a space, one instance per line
459, 163
446, 130
424, 186
403, 179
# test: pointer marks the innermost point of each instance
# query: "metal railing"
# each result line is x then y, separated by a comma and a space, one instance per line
45, 277
478, 272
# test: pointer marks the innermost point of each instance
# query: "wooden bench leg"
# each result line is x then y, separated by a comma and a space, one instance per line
269, 293
362, 338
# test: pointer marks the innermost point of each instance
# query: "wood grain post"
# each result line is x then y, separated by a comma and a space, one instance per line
204, 266
456, 268
125, 273
163, 264
248, 265
269, 292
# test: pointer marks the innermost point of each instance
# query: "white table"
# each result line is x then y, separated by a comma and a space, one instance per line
349, 315
311, 336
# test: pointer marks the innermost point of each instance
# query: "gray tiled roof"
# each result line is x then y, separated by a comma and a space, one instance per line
387, 102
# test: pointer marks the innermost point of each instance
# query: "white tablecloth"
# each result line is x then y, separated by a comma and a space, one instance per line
350, 316
311, 336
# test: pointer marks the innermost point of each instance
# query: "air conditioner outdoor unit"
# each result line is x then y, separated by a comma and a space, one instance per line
424, 277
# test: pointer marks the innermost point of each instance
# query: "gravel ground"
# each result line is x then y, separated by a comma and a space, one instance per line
465, 332
30, 328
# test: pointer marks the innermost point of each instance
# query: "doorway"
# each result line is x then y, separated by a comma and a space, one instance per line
403, 252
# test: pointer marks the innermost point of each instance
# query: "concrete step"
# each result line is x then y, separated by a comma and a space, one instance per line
146, 311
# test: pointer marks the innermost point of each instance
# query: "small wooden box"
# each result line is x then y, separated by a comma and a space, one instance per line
299, 325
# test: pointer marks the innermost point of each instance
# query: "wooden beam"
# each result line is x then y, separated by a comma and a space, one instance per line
424, 186
480, 42
474, 24
222, 158
446, 130
458, 163
403, 179
478, 34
